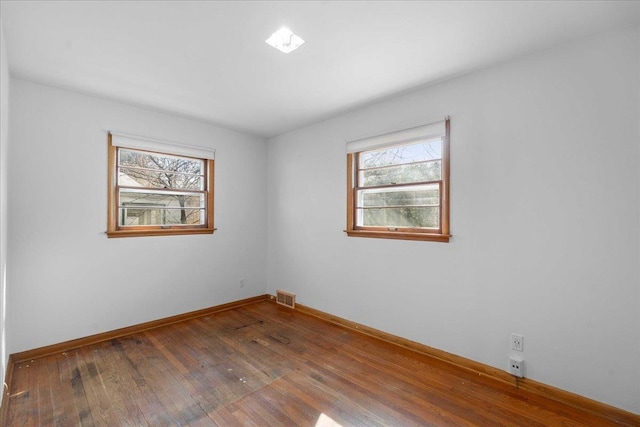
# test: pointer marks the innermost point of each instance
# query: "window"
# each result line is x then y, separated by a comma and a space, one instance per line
398, 185
157, 188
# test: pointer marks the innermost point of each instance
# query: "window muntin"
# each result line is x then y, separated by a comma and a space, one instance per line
154, 193
400, 190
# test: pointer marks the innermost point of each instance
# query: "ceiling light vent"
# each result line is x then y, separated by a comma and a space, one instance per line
284, 40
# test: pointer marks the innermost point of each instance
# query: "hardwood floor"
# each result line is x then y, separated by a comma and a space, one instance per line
265, 365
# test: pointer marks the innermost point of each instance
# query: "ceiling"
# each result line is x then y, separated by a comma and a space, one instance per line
209, 61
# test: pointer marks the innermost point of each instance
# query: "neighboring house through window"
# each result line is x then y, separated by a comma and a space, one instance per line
398, 184
158, 188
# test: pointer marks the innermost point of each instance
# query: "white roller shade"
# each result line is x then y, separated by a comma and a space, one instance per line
430, 131
148, 144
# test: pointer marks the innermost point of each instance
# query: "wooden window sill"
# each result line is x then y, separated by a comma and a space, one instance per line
158, 232
400, 235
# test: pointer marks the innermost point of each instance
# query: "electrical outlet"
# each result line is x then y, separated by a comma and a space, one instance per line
517, 342
516, 366
242, 283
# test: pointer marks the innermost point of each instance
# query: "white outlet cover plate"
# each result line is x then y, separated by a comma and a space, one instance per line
517, 342
516, 366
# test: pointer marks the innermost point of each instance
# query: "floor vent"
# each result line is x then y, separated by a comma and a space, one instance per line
286, 298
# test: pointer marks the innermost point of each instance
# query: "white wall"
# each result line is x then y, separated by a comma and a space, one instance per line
544, 213
67, 279
4, 142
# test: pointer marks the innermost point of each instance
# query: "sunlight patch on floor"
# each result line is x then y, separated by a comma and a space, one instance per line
326, 421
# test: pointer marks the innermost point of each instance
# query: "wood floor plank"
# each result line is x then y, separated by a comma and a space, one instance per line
78, 395
174, 393
66, 412
133, 364
46, 385
85, 375
263, 364
289, 403
23, 404
327, 400
124, 394
223, 417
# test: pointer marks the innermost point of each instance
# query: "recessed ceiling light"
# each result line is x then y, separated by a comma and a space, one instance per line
284, 40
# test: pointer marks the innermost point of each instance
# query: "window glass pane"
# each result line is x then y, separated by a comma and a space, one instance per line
130, 177
132, 216
418, 152
139, 207
403, 174
423, 195
413, 217
142, 169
